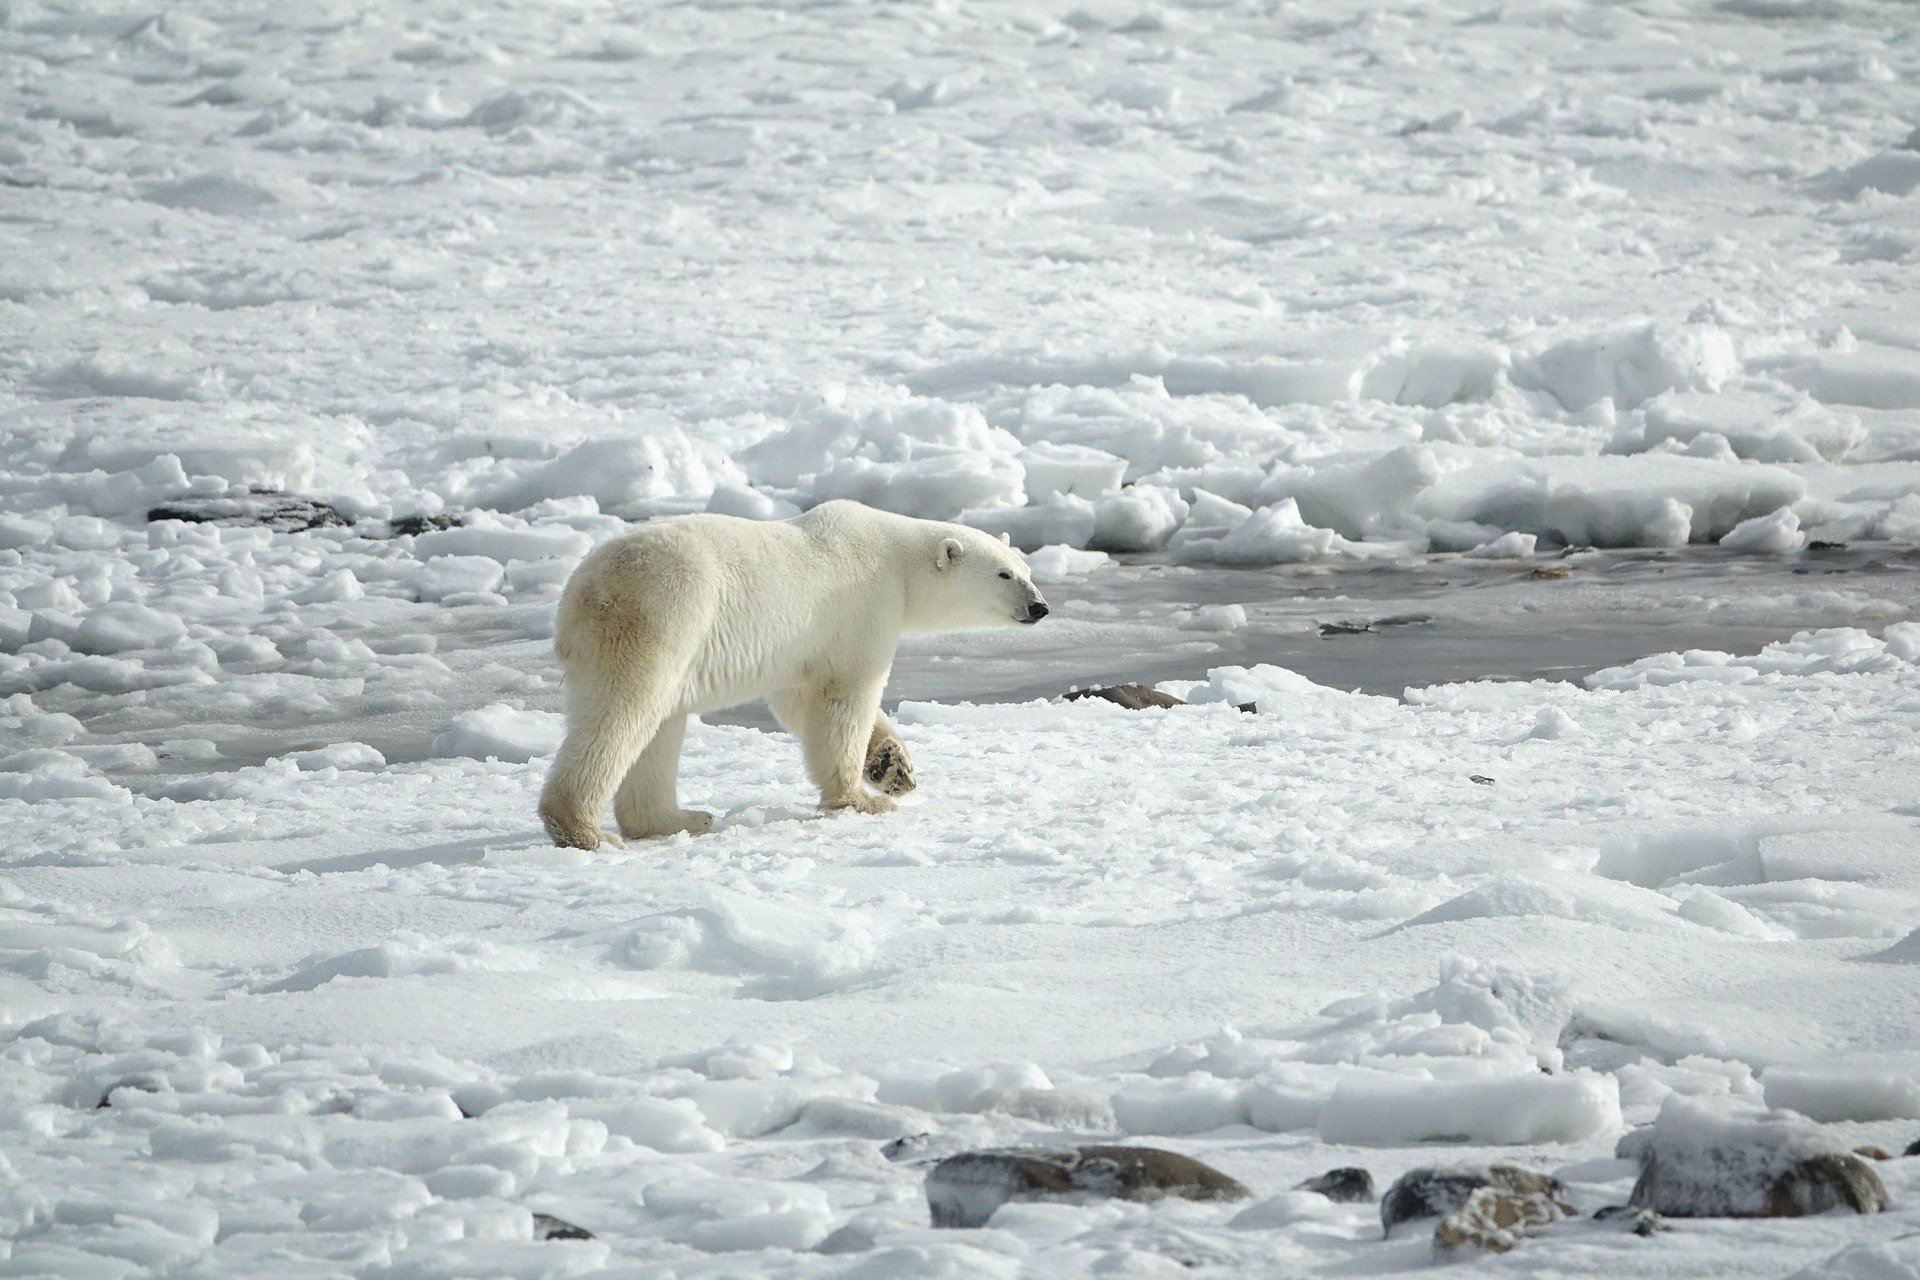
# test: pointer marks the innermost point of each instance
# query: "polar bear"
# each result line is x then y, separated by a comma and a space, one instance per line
703, 612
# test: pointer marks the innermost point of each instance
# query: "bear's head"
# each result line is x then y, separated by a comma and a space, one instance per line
976, 581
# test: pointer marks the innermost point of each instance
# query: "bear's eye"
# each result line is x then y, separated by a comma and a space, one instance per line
1007, 576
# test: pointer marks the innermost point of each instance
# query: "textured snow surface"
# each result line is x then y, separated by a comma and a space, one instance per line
1247, 936
1258, 288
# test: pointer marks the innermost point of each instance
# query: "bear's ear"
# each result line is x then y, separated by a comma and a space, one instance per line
949, 551
1005, 541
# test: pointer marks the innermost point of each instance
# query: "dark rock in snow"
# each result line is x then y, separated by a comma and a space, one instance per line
1913, 1148
548, 1227
281, 512
914, 1146
964, 1190
413, 526
138, 1084
1872, 1152
1433, 1192
1721, 1160
1642, 1222
1497, 1220
1134, 697
1347, 1185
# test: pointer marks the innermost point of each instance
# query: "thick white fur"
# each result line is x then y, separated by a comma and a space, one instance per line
694, 614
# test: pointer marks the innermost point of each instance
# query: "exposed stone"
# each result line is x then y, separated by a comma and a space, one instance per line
1547, 571
281, 512
1872, 1152
1434, 1192
964, 1190
1913, 1148
413, 526
1346, 1185
548, 1227
1134, 697
1704, 1159
138, 1084
915, 1146
1642, 1222
1496, 1220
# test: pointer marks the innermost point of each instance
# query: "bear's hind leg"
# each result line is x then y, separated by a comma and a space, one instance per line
834, 722
646, 805
889, 768
609, 722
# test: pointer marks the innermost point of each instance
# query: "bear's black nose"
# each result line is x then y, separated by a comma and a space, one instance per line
1036, 611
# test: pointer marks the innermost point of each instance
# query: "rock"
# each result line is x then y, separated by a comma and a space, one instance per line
1704, 1159
280, 512
1134, 697
414, 526
1872, 1152
1642, 1222
964, 1190
1496, 1220
915, 1146
1547, 571
548, 1227
1913, 1148
1480, 779
1347, 1185
138, 1084
1433, 1192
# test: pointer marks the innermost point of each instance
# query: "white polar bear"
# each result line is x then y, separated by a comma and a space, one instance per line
703, 612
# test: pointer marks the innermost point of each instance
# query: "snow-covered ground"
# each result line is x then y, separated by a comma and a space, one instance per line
1266, 320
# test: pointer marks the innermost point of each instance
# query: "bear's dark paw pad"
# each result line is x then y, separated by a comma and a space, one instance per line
889, 770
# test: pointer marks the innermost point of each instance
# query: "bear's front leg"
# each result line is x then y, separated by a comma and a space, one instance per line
835, 722
889, 768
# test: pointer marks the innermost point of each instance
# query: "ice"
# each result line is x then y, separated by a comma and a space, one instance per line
1063, 520
1836, 650
1273, 535
1057, 562
1777, 534
1629, 366
619, 472
501, 732
503, 543
124, 626
1865, 1091
749, 503
1893, 1260
783, 953
1894, 173
1516, 1110
1515, 407
1070, 469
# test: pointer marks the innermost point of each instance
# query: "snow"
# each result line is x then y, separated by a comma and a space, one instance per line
1299, 352
501, 732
